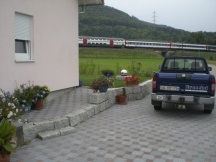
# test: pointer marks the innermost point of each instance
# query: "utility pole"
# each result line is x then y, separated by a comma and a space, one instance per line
154, 17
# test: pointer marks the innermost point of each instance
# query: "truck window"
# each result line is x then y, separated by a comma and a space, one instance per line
185, 64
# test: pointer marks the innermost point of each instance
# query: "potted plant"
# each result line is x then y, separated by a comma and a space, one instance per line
25, 94
122, 98
41, 92
9, 106
132, 80
9, 110
101, 83
107, 72
7, 132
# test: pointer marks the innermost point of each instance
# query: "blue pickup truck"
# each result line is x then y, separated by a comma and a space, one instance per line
184, 80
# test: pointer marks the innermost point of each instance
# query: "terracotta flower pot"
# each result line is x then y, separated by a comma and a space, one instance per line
5, 158
38, 105
121, 99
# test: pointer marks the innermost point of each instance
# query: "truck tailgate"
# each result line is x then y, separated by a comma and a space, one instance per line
184, 82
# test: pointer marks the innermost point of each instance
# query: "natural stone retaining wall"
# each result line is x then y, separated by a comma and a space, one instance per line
107, 99
98, 103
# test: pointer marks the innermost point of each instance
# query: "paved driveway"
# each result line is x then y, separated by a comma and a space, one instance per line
133, 132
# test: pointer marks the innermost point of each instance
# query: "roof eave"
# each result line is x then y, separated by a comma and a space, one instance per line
90, 2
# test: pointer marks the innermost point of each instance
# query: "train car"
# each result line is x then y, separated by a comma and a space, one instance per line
142, 44
197, 47
177, 46
184, 46
211, 48
101, 42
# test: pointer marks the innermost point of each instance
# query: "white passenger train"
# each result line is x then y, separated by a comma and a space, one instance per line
101, 42
121, 42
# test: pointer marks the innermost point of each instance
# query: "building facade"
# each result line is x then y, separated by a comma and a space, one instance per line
39, 43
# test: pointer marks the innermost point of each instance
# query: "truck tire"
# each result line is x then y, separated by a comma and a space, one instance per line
208, 108
207, 111
157, 107
157, 104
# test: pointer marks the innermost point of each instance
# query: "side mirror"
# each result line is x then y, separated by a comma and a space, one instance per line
209, 68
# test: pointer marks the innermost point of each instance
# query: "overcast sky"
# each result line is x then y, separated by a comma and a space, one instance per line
189, 15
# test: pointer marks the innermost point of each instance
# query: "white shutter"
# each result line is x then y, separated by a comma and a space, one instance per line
22, 27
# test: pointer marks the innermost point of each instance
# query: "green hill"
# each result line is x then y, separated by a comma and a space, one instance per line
105, 21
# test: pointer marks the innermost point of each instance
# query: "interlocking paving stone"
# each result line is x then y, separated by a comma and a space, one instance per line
133, 132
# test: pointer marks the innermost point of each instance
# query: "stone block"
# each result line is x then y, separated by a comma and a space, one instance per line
145, 87
117, 91
44, 125
60, 122
113, 101
102, 106
90, 110
107, 104
139, 96
48, 134
82, 113
67, 130
97, 98
97, 109
110, 94
136, 89
131, 97
29, 132
19, 133
74, 119
144, 94
149, 86
129, 90
121, 77
142, 88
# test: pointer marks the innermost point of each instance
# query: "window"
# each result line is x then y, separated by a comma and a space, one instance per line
184, 64
20, 46
23, 38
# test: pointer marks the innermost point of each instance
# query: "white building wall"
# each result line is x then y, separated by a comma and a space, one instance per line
54, 46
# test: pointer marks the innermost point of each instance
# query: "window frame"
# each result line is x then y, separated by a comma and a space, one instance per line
26, 55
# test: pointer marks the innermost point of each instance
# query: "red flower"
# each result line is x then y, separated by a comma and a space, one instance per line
132, 80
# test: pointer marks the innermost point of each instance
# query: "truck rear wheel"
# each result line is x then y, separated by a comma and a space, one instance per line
157, 104
207, 111
157, 107
208, 108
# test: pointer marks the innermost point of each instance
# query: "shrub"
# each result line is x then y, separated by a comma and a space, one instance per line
101, 81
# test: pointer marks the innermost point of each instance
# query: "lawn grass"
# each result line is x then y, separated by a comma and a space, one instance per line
150, 64
117, 53
93, 60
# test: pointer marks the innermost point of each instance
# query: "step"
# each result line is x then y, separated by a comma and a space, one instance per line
55, 133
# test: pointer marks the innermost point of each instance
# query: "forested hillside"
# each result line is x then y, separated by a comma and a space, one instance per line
104, 21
